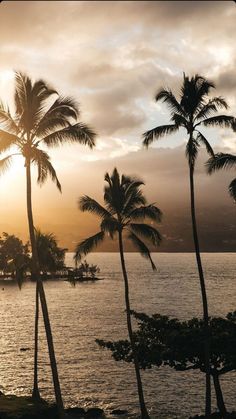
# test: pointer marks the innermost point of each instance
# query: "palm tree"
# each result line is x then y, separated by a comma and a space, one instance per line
223, 161
125, 204
41, 117
51, 256
193, 109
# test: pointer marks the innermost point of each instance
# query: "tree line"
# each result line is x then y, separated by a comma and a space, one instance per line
43, 117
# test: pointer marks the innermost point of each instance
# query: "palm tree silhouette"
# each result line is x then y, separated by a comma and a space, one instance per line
124, 205
194, 109
51, 256
223, 161
41, 117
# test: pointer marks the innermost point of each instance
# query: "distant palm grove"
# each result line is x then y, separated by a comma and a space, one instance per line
42, 119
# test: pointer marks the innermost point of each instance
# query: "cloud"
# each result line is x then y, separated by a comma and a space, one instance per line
115, 65
113, 57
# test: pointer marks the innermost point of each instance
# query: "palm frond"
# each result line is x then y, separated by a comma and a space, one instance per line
7, 120
220, 161
5, 164
167, 97
87, 245
49, 125
210, 107
201, 139
131, 182
7, 140
77, 133
110, 225
193, 93
234, 124
64, 106
42, 91
38, 97
158, 132
45, 168
132, 200
58, 115
192, 151
20, 92
24, 102
204, 85
179, 120
114, 193
150, 211
224, 121
141, 247
89, 204
232, 189
148, 232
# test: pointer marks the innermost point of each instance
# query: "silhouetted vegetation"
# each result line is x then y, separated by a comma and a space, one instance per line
192, 111
14, 257
51, 256
42, 117
223, 161
125, 204
160, 340
85, 272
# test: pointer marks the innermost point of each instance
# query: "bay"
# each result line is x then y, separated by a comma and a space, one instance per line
89, 376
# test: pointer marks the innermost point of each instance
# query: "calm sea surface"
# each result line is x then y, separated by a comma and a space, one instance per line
88, 374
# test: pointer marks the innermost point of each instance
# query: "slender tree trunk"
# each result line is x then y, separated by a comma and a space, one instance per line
204, 296
36, 273
219, 396
144, 412
36, 393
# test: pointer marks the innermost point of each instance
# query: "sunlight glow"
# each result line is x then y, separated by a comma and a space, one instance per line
6, 86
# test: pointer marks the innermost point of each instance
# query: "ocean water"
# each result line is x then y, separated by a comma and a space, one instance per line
89, 376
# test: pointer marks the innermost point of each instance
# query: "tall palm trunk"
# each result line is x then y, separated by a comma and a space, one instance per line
219, 396
35, 392
36, 274
144, 412
204, 296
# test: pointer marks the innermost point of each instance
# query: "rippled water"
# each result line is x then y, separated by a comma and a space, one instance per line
88, 374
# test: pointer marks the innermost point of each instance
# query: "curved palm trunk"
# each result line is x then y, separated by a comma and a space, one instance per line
219, 396
41, 293
144, 412
204, 296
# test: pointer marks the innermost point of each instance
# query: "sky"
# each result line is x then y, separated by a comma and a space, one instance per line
112, 57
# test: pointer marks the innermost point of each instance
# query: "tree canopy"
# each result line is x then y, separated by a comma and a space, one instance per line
51, 256
160, 340
14, 255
